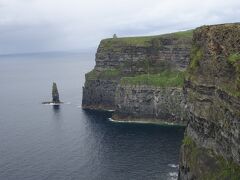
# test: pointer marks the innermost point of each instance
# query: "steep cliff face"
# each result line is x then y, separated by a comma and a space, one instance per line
128, 57
154, 98
131, 53
150, 103
211, 148
99, 94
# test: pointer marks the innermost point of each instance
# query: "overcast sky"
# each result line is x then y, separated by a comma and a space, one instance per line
56, 25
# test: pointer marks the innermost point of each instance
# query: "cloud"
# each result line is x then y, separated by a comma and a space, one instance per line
50, 25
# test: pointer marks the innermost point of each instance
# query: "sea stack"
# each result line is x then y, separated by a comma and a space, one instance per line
55, 94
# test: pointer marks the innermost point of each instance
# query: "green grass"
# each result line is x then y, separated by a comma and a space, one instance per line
229, 169
191, 146
220, 168
195, 56
231, 88
164, 79
144, 41
110, 73
234, 58
187, 141
106, 74
91, 75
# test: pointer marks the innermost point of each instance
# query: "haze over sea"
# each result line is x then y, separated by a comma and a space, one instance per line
40, 142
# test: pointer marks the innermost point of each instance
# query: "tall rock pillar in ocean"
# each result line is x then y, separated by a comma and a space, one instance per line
55, 94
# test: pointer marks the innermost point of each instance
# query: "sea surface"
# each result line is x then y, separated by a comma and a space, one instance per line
42, 142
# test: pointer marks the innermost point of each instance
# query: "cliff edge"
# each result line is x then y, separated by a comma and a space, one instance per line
211, 147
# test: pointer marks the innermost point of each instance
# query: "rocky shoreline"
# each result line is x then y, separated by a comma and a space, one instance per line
145, 121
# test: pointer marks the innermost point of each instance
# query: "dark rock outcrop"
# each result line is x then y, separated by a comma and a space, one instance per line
55, 94
99, 94
211, 148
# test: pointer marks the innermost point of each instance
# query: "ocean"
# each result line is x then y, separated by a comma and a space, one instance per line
43, 142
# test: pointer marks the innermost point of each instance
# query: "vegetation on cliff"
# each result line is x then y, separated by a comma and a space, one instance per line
216, 53
234, 60
210, 149
105, 74
195, 56
219, 168
143, 41
163, 79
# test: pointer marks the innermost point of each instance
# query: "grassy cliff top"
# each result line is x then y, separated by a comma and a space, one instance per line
163, 79
108, 74
144, 41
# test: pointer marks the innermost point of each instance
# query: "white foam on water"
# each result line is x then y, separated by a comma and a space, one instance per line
50, 104
173, 175
53, 104
119, 121
139, 122
173, 165
110, 110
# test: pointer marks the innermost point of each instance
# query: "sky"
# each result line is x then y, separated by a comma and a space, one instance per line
28, 26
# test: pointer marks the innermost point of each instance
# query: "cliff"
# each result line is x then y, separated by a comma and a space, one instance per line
120, 60
131, 54
147, 103
151, 98
211, 147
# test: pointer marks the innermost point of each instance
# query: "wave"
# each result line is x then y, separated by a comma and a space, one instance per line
51, 104
173, 175
173, 165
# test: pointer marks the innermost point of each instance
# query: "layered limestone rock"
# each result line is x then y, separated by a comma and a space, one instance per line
99, 94
121, 57
130, 53
211, 148
150, 104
